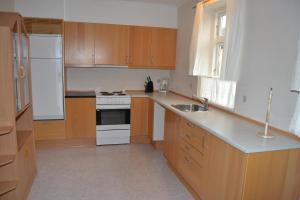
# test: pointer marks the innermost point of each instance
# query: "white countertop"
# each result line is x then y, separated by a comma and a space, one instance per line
232, 129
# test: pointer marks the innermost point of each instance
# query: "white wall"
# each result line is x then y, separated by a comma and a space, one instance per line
40, 8
7, 5
180, 81
269, 58
112, 78
121, 12
101, 11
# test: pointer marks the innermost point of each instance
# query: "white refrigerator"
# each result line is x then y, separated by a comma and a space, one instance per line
47, 76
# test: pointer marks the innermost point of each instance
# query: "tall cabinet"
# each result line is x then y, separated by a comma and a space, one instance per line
17, 149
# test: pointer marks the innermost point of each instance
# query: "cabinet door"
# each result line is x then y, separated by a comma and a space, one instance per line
140, 116
79, 43
81, 117
140, 47
171, 137
163, 48
111, 44
225, 171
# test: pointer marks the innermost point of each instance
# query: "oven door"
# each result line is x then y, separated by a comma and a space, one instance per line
113, 117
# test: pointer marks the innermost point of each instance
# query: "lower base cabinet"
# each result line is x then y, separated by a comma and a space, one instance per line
141, 119
215, 170
80, 118
26, 168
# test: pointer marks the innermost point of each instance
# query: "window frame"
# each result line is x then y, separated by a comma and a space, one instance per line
217, 42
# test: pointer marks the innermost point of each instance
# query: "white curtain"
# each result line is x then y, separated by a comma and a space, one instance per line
200, 43
218, 91
199, 64
235, 31
295, 123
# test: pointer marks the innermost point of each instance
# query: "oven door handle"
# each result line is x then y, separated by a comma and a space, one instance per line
112, 107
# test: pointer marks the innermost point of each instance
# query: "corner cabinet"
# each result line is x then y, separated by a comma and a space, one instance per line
17, 147
215, 170
92, 45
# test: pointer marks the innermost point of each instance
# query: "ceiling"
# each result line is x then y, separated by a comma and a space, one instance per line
168, 2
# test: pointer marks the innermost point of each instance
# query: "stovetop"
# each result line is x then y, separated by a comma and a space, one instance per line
111, 94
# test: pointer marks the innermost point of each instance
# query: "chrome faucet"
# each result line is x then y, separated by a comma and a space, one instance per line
205, 103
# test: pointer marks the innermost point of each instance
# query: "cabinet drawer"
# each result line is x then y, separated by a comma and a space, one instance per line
190, 171
193, 135
192, 152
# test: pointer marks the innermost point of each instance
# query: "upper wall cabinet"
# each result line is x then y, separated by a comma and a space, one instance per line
111, 44
152, 47
79, 44
140, 43
105, 44
163, 47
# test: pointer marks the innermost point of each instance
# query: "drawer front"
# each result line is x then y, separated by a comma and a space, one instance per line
190, 171
194, 135
196, 139
192, 152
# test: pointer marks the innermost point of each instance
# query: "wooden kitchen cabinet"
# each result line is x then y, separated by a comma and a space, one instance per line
141, 118
215, 170
81, 117
111, 44
171, 135
152, 47
140, 47
163, 48
79, 44
89, 45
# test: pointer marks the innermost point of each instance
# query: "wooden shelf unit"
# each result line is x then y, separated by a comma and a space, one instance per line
7, 186
17, 147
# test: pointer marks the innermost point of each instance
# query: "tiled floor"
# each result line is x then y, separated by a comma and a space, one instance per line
122, 172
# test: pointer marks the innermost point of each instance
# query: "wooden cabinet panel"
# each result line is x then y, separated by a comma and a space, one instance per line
81, 117
191, 171
225, 171
140, 47
111, 44
26, 168
141, 121
49, 130
79, 43
171, 145
273, 175
152, 47
163, 48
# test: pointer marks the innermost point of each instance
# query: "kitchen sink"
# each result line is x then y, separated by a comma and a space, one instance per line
190, 107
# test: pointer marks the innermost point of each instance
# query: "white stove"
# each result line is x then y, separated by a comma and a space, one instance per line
112, 117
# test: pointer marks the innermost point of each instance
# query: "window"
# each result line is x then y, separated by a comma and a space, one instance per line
218, 48
207, 54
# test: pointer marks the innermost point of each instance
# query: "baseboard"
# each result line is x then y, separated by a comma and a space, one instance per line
66, 143
141, 139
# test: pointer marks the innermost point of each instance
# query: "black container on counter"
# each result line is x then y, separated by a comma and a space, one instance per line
148, 85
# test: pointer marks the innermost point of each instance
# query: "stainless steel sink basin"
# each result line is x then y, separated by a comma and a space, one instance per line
190, 107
